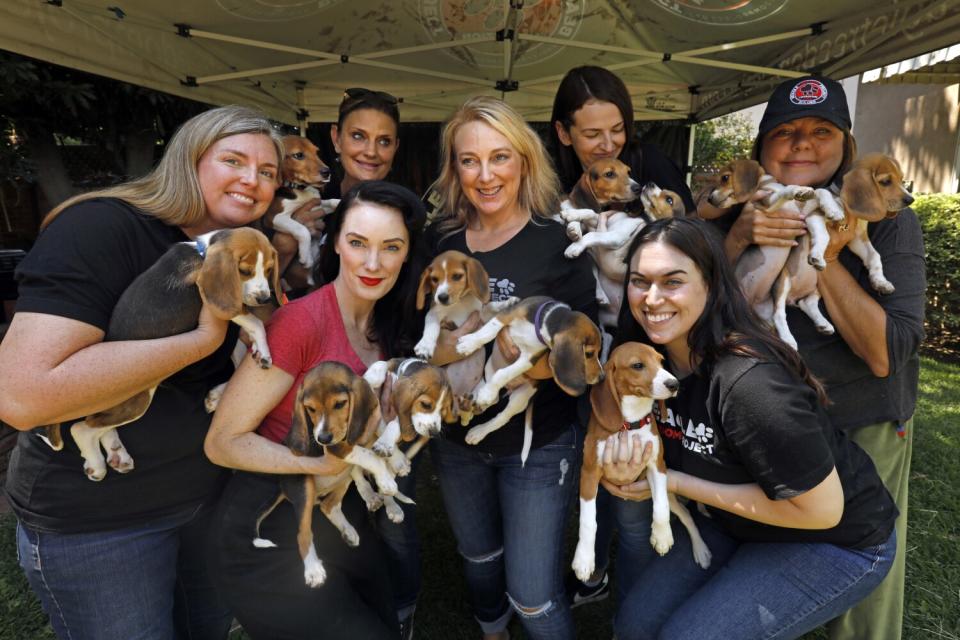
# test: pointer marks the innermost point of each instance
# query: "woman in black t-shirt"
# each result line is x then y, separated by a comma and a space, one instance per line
799, 523
125, 557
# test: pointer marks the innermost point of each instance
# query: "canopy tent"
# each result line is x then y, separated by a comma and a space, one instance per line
681, 59
937, 67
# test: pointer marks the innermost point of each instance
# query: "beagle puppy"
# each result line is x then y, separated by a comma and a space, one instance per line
872, 190
335, 413
231, 270
609, 242
606, 184
303, 175
635, 378
456, 285
536, 325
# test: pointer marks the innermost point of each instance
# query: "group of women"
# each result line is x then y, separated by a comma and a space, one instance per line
799, 522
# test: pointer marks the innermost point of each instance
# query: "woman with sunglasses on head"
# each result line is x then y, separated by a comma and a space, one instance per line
495, 189
366, 313
799, 524
593, 119
870, 365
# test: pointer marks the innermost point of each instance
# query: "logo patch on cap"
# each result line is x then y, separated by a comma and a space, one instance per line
808, 92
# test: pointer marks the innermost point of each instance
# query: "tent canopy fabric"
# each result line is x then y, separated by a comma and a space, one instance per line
681, 59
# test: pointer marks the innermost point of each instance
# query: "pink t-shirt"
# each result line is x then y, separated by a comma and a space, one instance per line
301, 335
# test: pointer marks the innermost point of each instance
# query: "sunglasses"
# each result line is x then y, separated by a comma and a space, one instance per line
354, 95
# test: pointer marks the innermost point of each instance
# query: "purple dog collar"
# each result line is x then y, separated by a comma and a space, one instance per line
541, 313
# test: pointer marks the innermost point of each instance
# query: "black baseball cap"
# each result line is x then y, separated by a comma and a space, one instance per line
808, 97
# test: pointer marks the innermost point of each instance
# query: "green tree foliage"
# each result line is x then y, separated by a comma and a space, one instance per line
939, 215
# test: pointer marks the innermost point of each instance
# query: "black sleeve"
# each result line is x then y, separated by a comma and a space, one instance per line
80, 264
575, 283
900, 244
656, 167
770, 420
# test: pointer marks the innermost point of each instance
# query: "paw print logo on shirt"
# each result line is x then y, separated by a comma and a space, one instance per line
501, 289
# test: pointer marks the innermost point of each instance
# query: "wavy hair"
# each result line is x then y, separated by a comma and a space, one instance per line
171, 191
539, 187
728, 323
397, 324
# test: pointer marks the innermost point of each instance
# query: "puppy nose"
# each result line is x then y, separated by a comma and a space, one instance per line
907, 200
263, 298
444, 298
325, 173
636, 188
324, 438
650, 185
672, 385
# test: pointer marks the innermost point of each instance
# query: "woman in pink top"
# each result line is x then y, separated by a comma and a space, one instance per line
372, 262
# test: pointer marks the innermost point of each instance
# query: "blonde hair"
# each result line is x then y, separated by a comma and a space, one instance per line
171, 190
539, 186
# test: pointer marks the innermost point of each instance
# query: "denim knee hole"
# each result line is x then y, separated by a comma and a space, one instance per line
489, 557
531, 612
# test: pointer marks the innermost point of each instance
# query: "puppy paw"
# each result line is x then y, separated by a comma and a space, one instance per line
95, 472
212, 401
350, 535
424, 349
475, 435
583, 563
263, 359
467, 345
817, 262
399, 465
574, 250
383, 449
882, 286
394, 512
574, 231
825, 328
661, 537
314, 574
373, 501
802, 194
702, 555
119, 460
486, 397
387, 485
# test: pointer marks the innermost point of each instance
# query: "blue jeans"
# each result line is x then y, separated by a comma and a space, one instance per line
509, 524
401, 545
772, 591
143, 582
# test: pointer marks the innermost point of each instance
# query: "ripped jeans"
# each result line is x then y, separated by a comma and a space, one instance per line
509, 524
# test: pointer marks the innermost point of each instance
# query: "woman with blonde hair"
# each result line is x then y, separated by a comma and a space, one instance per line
496, 187
125, 557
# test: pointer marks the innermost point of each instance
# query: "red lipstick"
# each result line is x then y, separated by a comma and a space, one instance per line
370, 282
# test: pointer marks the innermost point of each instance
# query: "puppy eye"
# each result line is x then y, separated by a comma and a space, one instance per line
434, 279
589, 354
426, 405
457, 277
339, 404
609, 174
669, 201
297, 156
886, 182
639, 366
724, 178
246, 272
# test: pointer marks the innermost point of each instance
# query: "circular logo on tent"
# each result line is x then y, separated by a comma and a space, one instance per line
723, 12
808, 92
444, 20
275, 10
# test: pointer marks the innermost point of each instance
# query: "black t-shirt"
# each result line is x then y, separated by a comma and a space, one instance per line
529, 264
747, 420
78, 268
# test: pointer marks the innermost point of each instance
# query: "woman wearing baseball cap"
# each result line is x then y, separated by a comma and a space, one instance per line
870, 365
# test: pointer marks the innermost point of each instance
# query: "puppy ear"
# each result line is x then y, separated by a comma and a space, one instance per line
566, 361
478, 279
450, 411
363, 402
219, 281
746, 179
861, 194
404, 395
605, 400
424, 289
301, 429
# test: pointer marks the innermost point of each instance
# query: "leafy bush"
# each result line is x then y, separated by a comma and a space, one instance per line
939, 215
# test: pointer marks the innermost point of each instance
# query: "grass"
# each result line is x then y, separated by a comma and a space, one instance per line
932, 608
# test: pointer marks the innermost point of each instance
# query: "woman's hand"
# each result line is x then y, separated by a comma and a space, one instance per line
754, 225
446, 351
210, 332
625, 458
840, 236
541, 368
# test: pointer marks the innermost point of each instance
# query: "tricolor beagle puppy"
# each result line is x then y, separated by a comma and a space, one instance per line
230, 270
304, 175
635, 378
335, 413
536, 325
606, 184
872, 190
456, 285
